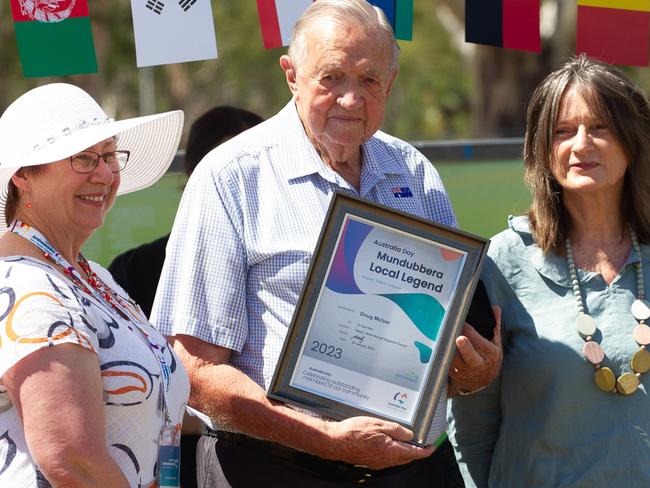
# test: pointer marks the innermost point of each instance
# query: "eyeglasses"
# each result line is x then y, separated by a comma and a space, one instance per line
87, 161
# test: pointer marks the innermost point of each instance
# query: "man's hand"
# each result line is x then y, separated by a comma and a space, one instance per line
372, 442
477, 361
232, 398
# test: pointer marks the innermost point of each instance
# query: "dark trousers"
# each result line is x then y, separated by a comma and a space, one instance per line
249, 462
188, 460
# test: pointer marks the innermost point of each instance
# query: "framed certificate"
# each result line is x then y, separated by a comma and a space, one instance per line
373, 333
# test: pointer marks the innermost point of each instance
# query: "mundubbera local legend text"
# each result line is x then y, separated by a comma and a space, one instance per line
403, 264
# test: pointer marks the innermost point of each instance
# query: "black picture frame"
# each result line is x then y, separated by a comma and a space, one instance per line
346, 208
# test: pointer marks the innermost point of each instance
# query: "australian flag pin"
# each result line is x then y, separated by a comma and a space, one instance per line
402, 192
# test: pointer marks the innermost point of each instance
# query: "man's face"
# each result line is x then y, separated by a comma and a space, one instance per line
341, 86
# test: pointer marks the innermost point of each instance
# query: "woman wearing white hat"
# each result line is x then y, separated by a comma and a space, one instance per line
90, 393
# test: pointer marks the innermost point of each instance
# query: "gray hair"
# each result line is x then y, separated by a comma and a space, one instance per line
342, 13
625, 109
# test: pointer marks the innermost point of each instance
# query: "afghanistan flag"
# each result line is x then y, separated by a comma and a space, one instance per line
513, 24
54, 37
614, 31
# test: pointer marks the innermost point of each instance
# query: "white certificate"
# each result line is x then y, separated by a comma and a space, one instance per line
375, 326
378, 314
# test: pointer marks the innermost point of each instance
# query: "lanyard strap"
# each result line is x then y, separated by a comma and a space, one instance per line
39, 240
50, 252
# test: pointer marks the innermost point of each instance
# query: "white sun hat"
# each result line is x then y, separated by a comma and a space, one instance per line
56, 121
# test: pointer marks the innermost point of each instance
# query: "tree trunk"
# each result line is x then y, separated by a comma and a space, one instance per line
505, 78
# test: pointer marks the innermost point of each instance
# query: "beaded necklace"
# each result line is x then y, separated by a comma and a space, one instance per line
127, 309
628, 382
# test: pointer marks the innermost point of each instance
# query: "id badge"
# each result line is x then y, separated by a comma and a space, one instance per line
169, 458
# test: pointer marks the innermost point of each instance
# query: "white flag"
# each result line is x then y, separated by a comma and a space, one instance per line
277, 18
173, 31
289, 11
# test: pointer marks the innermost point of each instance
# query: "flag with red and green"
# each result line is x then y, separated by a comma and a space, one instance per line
54, 37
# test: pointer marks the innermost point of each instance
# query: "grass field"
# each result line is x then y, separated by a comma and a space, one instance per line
483, 195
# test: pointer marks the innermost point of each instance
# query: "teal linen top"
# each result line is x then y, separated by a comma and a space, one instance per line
544, 422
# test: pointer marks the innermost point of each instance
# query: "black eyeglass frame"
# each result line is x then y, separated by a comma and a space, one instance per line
98, 156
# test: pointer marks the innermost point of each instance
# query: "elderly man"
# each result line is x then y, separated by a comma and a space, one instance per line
243, 240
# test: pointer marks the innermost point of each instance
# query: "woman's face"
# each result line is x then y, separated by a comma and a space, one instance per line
586, 155
61, 198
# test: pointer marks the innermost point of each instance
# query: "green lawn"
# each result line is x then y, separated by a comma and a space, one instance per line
483, 195
137, 218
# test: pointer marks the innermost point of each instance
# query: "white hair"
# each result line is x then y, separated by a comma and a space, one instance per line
342, 13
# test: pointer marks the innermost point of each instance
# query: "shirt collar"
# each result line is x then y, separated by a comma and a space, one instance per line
300, 158
297, 154
552, 266
379, 161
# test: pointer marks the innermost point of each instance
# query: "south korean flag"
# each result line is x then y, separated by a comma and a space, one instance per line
158, 24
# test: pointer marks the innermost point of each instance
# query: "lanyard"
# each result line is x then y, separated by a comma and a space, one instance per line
102, 293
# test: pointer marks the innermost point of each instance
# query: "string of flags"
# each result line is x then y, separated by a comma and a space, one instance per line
277, 18
54, 37
513, 24
614, 31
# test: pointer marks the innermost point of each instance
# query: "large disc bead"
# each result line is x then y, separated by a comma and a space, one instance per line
593, 352
585, 325
627, 383
605, 379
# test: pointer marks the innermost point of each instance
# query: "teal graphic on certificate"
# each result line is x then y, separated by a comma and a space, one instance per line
375, 325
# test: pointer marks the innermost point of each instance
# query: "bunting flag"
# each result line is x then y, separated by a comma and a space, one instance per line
614, 31
277, 18
173, 31
54, 37
400, 15
513, 24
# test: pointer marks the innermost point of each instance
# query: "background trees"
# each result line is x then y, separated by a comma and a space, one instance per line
446, 88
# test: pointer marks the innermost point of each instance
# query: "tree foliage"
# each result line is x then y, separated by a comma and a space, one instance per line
429, 98
501, 80
446, 88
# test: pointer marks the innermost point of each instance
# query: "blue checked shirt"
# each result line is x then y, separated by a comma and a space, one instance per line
248, 224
